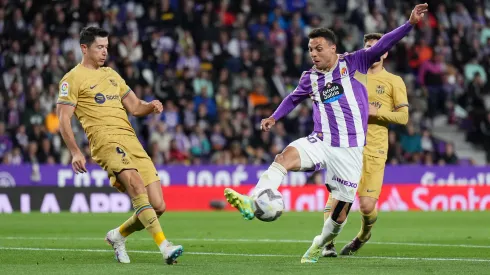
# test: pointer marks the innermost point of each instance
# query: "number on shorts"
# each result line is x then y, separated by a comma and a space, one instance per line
311, 139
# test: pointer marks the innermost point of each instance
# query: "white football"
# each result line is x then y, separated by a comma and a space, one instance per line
268, 205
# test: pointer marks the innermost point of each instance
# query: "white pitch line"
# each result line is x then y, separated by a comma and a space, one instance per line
244, 255
244, 241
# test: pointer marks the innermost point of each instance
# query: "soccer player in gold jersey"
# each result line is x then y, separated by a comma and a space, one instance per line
387, 96
100, 99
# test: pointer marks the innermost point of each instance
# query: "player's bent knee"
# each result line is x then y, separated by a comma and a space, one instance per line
367, 205
160, 208
367, 208
279, 159
289, 159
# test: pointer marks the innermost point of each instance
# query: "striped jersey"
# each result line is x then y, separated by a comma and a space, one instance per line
340, 99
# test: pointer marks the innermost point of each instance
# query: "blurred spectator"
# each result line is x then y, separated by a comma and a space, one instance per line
5, 141
200, 145
219, 68
203, 80
485, 129
449, 156
411, 142
461, 16
52, 122
431, 78
161, 137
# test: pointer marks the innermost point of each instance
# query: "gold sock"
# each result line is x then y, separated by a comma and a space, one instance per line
132, 225
367, 222
147, 217
327, 210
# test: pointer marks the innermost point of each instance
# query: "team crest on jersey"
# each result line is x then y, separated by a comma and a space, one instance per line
332, 92
380, 89
343, 70
64, 88
113, 82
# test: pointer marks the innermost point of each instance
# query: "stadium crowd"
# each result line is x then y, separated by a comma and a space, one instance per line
219, 67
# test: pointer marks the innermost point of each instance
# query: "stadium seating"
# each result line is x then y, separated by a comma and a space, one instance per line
219, 68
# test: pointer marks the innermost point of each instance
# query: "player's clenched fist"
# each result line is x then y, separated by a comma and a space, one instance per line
373, 111
418, 13
78, 163
157, 106
266, 124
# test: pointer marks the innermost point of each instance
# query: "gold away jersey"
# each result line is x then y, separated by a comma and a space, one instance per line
387, 92
97, 96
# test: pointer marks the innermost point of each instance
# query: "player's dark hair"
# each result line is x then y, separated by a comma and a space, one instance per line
88, 35
372, 36
328, 34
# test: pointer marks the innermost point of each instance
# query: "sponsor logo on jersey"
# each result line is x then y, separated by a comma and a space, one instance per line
112, 97
344, 182
380, 89
99, 98
376, 104
64, 88
332, 92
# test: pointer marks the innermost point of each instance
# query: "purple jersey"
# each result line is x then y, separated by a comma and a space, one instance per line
340, 101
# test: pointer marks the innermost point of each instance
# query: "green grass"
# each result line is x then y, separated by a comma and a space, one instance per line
223, 243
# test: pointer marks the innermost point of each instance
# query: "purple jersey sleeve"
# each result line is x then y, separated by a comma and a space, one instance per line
364, 58
296, 97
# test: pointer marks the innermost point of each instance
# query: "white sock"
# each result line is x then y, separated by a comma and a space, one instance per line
117, 234
330, 230
272, 178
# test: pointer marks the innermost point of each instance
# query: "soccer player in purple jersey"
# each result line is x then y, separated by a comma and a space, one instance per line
340, 113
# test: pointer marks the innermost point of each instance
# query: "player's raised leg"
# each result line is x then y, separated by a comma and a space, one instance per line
146, 214
329, 250
272, 178
288, 160
331, 228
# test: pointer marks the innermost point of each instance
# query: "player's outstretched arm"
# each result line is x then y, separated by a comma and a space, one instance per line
65, 113
290, 102
138, 107
390, 39
399, 114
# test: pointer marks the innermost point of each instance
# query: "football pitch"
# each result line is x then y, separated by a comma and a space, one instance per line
223, 243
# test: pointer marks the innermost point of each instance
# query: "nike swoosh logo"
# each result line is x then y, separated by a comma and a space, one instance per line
91, 87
